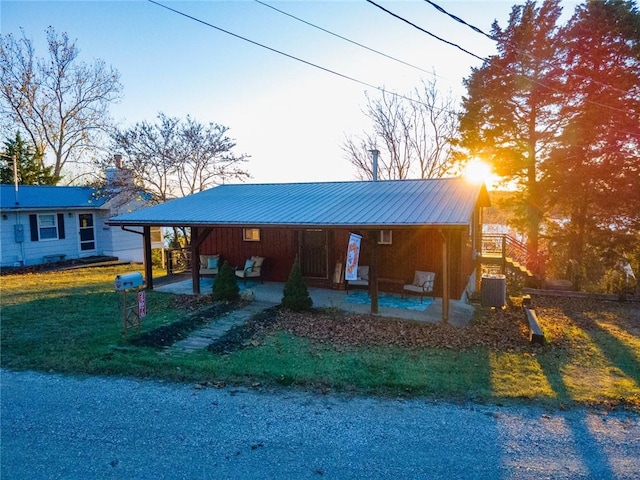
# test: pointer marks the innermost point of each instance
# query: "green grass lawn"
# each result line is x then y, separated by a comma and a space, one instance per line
71, 322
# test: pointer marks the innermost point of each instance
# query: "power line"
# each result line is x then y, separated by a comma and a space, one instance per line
521, 52
534, 80
426, 31
345, 38
458, 19
279, 52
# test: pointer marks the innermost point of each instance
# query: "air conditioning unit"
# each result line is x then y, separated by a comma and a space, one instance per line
493, 291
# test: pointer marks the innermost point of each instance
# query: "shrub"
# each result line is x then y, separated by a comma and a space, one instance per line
225, 285
296, 295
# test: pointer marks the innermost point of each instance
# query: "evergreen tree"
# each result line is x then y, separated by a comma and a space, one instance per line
510, 116
296, 295
225, 285
592, 176
31, 170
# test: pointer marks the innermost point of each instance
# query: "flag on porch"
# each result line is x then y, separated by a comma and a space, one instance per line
353, 254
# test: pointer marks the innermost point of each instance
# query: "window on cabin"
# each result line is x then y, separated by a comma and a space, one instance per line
385, 237
251, 234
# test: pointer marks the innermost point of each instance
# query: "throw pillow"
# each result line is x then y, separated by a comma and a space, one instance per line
212, 263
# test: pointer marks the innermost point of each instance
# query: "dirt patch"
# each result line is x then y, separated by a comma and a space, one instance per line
169, 334
248, 334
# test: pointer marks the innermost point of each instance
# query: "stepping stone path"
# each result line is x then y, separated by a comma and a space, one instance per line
205, 336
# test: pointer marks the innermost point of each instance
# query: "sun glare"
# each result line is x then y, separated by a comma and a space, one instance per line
478, 171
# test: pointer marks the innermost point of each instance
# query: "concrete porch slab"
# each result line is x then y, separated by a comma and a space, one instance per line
460, 313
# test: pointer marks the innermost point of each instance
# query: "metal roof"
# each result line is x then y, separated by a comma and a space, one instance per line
39, 197
445, 202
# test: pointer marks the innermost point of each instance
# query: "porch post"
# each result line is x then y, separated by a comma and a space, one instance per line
445, 276
373, 270
148, 267
195, 260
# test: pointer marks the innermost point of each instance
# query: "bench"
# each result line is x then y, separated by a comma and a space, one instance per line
537, 336
54, 257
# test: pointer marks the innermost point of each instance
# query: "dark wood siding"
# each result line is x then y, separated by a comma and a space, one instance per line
411, 250
276, 245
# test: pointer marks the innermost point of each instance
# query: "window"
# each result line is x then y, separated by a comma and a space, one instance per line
251, 234
47, 227
385, 237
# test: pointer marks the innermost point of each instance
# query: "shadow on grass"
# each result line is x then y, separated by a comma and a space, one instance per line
594, 457
620, 354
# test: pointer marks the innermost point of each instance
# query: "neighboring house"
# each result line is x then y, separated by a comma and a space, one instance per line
42, 224
406, 225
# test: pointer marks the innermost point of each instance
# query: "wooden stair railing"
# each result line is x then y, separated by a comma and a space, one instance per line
513, 254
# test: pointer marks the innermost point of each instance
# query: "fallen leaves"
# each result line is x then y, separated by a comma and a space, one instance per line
498, 329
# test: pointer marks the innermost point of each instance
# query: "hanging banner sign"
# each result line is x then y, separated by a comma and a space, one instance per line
353, 254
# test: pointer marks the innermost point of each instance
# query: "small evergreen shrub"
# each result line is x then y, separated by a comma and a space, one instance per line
225, 285
296, 295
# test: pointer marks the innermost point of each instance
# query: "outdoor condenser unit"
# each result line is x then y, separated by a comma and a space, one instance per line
494, 291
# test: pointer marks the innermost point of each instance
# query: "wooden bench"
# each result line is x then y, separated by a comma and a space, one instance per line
54, 257
537, 336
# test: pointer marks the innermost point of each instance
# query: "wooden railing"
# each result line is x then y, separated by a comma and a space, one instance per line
511, 251
178, 260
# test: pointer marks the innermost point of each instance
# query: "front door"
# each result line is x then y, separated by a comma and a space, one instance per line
87, 234
313, 253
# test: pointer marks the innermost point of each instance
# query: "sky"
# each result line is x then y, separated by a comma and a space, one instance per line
290, 117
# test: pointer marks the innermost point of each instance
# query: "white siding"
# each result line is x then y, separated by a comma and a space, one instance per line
33, 252
125, 245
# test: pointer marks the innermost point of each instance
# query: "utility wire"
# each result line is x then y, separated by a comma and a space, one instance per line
292, 57
527, 54
538, 82
458, 19
426, 31
345, 38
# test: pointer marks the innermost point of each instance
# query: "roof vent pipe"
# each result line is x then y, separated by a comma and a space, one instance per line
374, 154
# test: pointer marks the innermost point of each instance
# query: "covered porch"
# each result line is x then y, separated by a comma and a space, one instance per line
405, 226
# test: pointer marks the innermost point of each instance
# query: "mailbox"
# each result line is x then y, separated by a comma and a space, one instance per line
128, 280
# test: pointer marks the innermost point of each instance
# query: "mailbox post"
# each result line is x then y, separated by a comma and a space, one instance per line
131, 314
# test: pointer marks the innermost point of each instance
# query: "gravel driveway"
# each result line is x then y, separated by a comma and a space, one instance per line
64, 427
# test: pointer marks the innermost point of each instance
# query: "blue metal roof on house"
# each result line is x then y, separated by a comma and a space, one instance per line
444, 202
37, 197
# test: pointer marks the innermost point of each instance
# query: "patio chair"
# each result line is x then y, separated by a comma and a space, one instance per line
252, 269
362, 280
422, 284
209, 265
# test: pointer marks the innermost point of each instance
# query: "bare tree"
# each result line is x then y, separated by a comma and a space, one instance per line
413, 133
174, 157
62, 104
